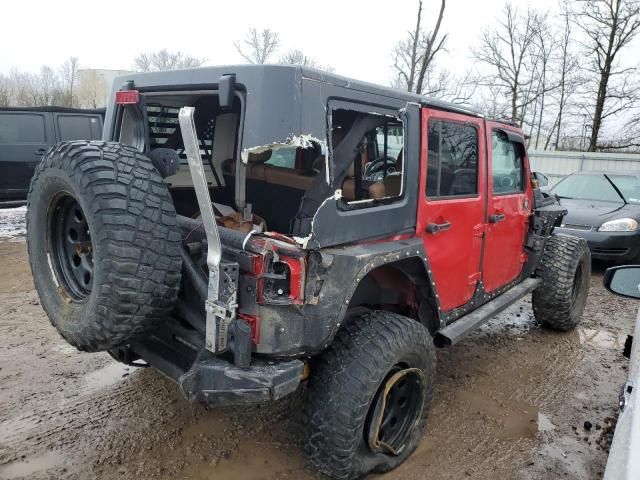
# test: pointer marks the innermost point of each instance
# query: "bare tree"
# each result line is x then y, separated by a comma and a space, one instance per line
165, 60
297, 57
91, 89
442, 84
414, 56
69, 73
5, 91
507, 50
546, 46
568, 65
258, 46
609, 26
40, 89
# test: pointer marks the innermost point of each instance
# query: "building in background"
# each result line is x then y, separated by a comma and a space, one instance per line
94, 85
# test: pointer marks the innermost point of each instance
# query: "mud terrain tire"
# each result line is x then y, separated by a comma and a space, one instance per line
103, 242
345, 388
565, 270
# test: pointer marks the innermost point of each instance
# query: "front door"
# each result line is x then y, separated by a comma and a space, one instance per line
452, 202
509, 206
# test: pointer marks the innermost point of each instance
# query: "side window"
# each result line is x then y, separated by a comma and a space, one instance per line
452, 159
507, 166
367, 156
394, 140
78, 127
19, 128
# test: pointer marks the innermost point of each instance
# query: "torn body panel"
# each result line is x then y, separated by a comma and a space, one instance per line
332, 277
335, 222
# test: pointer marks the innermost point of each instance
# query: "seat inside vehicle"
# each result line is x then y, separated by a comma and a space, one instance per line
276, 181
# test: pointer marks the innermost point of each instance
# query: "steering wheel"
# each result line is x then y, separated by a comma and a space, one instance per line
374, 170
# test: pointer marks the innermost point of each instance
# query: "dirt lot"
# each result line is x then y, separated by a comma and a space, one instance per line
511, 402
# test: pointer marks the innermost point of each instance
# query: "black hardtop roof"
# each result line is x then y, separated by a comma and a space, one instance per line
50, 108
195, 76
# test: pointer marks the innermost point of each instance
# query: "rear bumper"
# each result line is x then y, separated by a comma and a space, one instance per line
618, 247
213, 380
218, 382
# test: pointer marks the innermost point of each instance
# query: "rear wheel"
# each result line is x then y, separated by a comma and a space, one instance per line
565, 270
369, 395
103, 241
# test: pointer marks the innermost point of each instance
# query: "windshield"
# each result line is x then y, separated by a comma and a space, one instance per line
628, 185
597, 187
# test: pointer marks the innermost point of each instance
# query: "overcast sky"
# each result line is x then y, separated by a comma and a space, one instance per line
355, 37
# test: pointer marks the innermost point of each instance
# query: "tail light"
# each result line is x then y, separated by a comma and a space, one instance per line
127, 97
280, 275
282, 280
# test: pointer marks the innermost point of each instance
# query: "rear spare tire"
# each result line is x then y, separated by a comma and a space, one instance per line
565, 270
369, 395
103, 242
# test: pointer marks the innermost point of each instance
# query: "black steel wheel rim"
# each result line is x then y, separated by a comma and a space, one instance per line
69, 247
395, 410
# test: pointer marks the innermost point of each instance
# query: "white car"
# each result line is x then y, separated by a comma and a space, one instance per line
624, 460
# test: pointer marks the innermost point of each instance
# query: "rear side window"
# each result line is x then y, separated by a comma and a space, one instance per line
78, 127
20, 128
507, 165
452, 159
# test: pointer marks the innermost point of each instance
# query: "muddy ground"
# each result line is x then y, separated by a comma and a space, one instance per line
511, 402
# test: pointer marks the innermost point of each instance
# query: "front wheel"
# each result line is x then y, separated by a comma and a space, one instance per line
565, 270
369, 395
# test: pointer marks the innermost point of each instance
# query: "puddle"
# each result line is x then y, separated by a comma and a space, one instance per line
602, 339
510, 418
12, 222
106, 376
26, 468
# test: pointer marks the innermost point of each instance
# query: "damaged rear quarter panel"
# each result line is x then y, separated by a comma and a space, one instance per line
332, 277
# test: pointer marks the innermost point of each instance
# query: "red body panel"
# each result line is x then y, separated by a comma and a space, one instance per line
504, 242
454, 254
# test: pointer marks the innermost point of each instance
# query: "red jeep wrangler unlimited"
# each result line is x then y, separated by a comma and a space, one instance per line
246, 229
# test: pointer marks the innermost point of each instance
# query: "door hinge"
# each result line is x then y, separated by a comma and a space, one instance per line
473, 278
478, 230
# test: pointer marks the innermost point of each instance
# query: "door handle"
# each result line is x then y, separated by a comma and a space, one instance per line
39, 152
495, 218
438, 227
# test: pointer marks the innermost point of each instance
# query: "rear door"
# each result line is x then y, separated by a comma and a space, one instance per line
24, 138
77, 126
452, 202
509, 206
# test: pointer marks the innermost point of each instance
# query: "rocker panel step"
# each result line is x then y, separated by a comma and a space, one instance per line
452, 334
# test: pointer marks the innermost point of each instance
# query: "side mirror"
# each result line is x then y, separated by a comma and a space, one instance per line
541, 179
623, 281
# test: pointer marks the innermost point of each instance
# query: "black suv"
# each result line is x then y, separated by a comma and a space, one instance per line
27, 133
